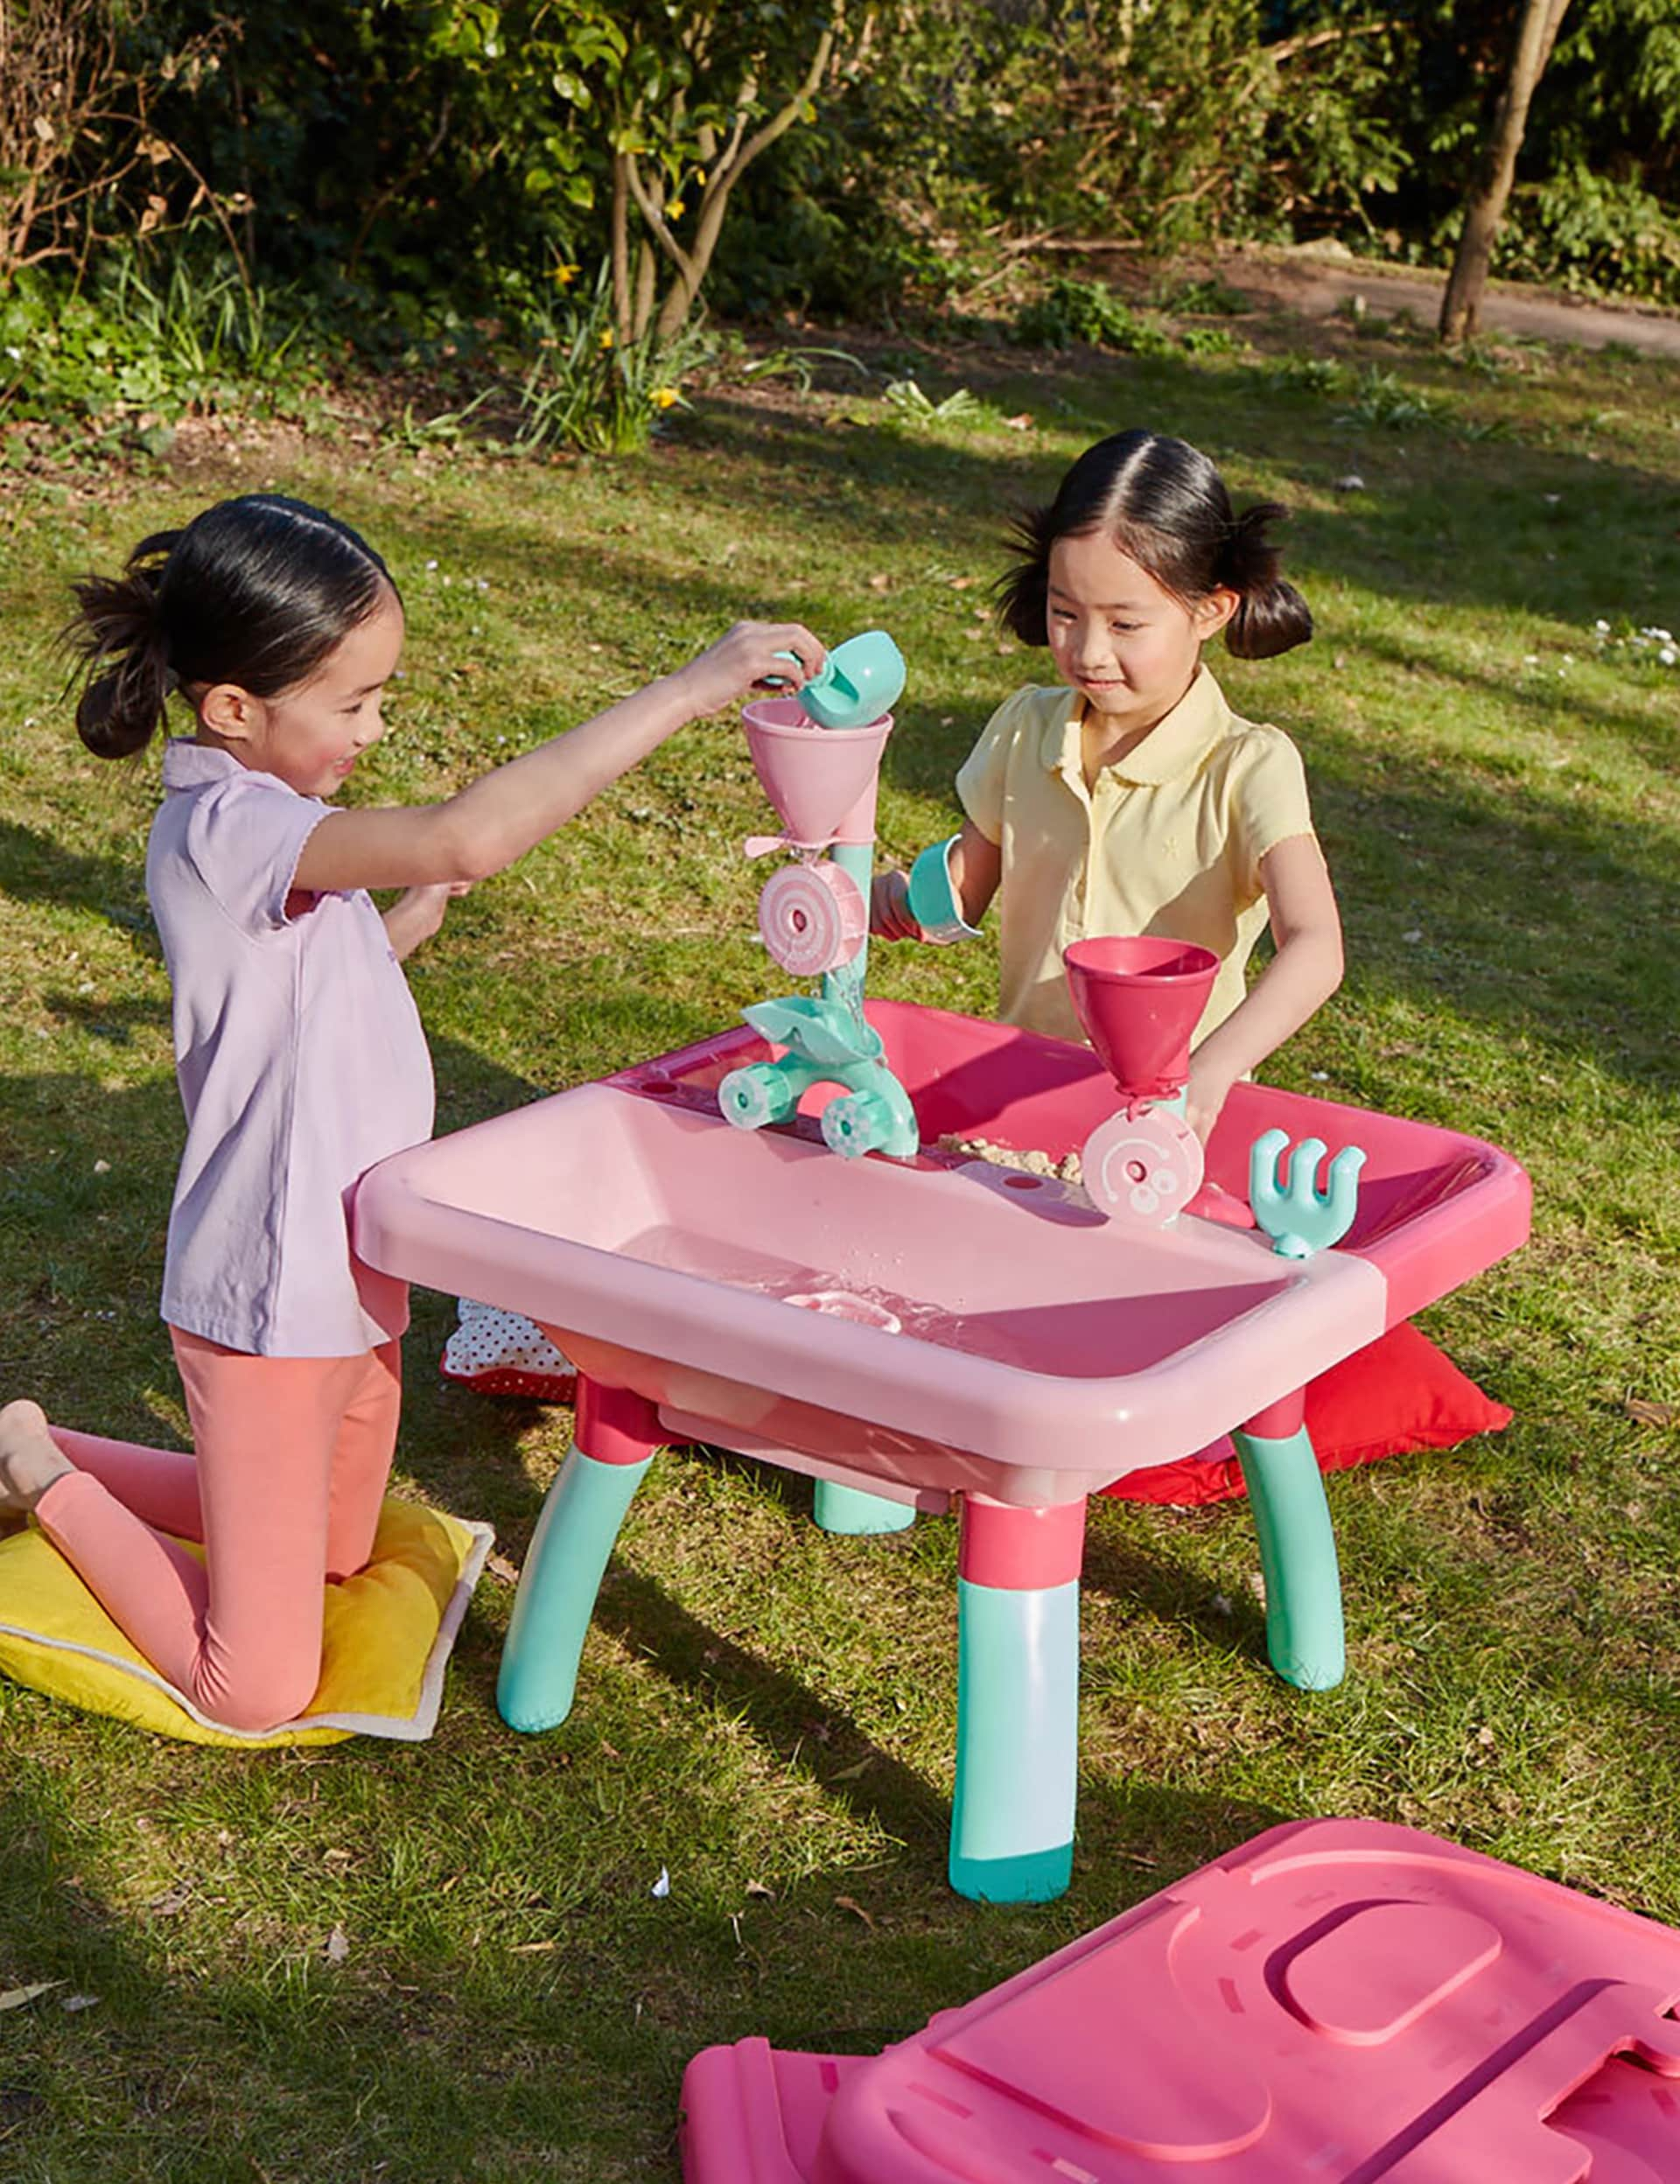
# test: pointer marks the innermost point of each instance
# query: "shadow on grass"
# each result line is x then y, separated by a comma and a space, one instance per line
34, 868
1511, 525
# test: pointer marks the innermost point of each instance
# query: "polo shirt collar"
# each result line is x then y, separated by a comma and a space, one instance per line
190, 765
1177, 744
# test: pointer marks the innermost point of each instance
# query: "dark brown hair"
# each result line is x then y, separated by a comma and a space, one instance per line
256, 590
1166, 507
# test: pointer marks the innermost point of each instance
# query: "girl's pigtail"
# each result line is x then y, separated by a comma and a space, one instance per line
119, 634
1273, 616
1021, 594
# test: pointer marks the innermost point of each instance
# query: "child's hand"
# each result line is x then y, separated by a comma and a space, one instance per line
418, 912
1205, 1095
889, 908
746, 655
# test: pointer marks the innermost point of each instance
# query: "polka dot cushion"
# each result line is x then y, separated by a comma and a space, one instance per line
503, 1354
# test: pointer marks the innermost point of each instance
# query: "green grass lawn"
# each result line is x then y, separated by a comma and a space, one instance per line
766, 1712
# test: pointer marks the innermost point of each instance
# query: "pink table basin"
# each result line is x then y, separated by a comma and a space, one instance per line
1339, 2002
913, 1333
1040, 1351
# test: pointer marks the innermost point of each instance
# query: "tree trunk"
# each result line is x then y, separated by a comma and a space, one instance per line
646, 278
619, 232
685, 285
1536, 34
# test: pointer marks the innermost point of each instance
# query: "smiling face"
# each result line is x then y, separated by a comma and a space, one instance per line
311, 736
1128, 645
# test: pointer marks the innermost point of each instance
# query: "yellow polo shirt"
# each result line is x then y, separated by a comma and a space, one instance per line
1169, 841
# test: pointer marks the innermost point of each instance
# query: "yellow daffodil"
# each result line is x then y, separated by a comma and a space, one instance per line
666, 397
564, 275
676, 209
607, 337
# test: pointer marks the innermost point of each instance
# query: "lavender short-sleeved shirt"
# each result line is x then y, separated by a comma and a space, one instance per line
301, 1062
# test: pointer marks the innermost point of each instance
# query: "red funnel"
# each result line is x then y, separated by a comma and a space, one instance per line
1139, 999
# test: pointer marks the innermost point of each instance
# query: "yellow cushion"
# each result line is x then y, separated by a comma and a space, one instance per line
387, 1634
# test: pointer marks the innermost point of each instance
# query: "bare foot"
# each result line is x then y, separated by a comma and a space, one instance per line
30, 1460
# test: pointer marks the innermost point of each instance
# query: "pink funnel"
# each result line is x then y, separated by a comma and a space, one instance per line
1139, 999
822, 781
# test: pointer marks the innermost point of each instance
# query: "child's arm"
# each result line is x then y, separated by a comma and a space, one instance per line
975, 865
1301, 976
501, 815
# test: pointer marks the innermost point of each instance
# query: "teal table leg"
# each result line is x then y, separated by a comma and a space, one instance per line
850, 1510
1298, 1555
569, 1554
1017, 1702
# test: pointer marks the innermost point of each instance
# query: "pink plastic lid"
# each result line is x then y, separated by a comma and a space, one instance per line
1341, 2001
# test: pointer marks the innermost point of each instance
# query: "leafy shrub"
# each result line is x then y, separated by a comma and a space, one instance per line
1073, 311
1209, 341
587, 389
1209, 298
164, 335
1589, 231
917, 409
1301, 375
1383, 399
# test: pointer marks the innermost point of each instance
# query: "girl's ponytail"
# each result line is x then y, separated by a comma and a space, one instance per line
1273, 616
119, 633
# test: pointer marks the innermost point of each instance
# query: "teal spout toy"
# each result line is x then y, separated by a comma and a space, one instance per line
814, 918
825, 1045
860, 680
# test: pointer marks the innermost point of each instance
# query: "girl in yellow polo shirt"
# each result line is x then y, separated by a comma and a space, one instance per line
1130, 798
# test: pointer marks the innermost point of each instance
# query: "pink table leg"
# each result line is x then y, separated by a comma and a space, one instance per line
613, 1446
1017, 1700
1298, 1547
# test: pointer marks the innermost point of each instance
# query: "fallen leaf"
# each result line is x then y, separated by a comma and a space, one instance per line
172, 1901
337, 1946
1647, 1413
879, 583
851, 1774
663, 1886
499, 1565
15, 1997
532, 1948
851, 1904
1021, 422
758, 1888
74, 2002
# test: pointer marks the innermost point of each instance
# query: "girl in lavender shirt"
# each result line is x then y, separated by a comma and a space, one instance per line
301, 1062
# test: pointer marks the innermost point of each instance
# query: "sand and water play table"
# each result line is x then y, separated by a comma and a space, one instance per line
932, 1332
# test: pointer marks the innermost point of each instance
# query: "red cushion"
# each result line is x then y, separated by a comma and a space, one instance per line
1400, 1393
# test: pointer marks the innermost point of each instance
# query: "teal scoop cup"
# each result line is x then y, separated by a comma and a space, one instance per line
860, 681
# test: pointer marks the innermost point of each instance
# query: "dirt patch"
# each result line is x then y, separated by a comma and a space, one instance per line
1318, 283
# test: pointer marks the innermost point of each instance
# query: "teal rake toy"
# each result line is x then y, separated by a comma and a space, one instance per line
1299, 1217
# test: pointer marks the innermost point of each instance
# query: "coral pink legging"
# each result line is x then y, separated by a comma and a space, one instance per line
283, 1489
